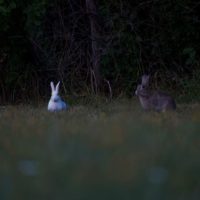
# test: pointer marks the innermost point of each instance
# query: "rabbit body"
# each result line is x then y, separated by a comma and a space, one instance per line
153, 99
56, 105
55, 102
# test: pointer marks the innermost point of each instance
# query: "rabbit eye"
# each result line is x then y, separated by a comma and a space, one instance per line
143, 87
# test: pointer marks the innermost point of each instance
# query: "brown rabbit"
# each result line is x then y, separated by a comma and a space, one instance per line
152, 99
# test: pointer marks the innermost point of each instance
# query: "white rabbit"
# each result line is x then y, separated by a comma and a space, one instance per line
55, 102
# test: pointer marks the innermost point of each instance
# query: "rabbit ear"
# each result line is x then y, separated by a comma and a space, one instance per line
52, 86
145, 80
57, 86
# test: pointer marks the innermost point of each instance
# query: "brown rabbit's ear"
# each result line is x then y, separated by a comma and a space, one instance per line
145, 79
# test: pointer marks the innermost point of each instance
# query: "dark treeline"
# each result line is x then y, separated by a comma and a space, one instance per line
97, 47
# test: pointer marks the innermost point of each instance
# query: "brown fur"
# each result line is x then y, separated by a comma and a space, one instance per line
153, 99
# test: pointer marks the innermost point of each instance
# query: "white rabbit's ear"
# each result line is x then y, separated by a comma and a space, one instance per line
52, 86
57, 86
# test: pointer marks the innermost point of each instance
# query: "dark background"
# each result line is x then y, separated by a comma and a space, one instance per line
98, 47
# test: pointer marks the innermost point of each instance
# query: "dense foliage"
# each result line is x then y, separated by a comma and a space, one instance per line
97, 48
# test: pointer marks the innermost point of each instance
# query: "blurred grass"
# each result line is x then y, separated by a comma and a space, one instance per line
99, 151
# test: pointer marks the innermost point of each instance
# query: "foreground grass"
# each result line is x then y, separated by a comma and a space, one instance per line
113, 151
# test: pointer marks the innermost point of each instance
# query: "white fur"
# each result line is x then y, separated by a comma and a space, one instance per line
55, 102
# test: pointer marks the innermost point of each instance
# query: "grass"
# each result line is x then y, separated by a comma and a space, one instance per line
98, 151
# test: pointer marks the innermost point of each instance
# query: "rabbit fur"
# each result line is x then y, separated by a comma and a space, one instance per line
153, 99
55, 102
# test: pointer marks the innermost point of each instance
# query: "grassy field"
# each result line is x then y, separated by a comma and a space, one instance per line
99, 152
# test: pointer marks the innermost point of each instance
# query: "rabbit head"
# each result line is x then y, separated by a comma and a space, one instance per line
55, 102
142, 91
144, 94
